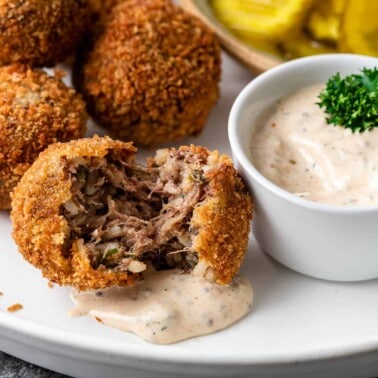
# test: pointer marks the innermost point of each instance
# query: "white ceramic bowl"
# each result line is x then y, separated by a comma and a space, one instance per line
329, 242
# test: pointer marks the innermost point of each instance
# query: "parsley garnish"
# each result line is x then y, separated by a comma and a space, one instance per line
352, 101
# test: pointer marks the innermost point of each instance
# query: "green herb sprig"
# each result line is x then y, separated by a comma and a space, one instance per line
109, 252
352, 101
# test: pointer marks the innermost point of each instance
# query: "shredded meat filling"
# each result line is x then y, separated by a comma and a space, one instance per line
128, 215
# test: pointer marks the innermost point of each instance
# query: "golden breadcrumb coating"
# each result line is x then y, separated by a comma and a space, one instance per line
220, 221
152, 75
95, 6
99, 11
15, 307
38, 227
99, 6
222, 218
40, 32
35, 111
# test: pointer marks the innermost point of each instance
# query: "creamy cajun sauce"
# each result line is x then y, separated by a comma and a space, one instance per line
168, 306
296, 149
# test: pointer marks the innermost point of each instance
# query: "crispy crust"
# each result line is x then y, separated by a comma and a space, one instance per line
152, 75
221, 220
35, 111
38, 228
97, 7
40, 33
99, 11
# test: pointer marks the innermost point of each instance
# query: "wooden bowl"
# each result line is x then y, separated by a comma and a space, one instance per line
257, 61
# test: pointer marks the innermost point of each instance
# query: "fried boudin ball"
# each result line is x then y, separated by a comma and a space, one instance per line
152, 75
35, 111
89, 216
40, 32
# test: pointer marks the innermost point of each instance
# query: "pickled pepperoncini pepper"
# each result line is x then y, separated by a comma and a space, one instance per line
292, 28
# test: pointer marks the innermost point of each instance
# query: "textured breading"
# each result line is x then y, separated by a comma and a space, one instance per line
224, 219
220, 221
99, 6
100, 11
15, 307
95, 6
40, 32
35, 111
152, 75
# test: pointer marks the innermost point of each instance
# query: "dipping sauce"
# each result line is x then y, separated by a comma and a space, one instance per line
168, 306
296, 149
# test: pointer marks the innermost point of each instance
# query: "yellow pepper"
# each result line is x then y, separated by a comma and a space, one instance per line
270, 20
293, 28
359, 27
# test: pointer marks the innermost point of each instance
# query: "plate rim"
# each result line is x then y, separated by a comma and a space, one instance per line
69, 343
50, 339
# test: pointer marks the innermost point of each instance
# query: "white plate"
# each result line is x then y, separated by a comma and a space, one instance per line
298, 326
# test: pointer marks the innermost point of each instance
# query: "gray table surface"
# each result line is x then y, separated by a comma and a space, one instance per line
11, 367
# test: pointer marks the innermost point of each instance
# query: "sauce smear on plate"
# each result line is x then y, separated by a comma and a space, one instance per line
168, 305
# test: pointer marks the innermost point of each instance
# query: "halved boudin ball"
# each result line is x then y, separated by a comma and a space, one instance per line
89, 216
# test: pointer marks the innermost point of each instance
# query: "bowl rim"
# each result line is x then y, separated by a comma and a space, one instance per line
242, 157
